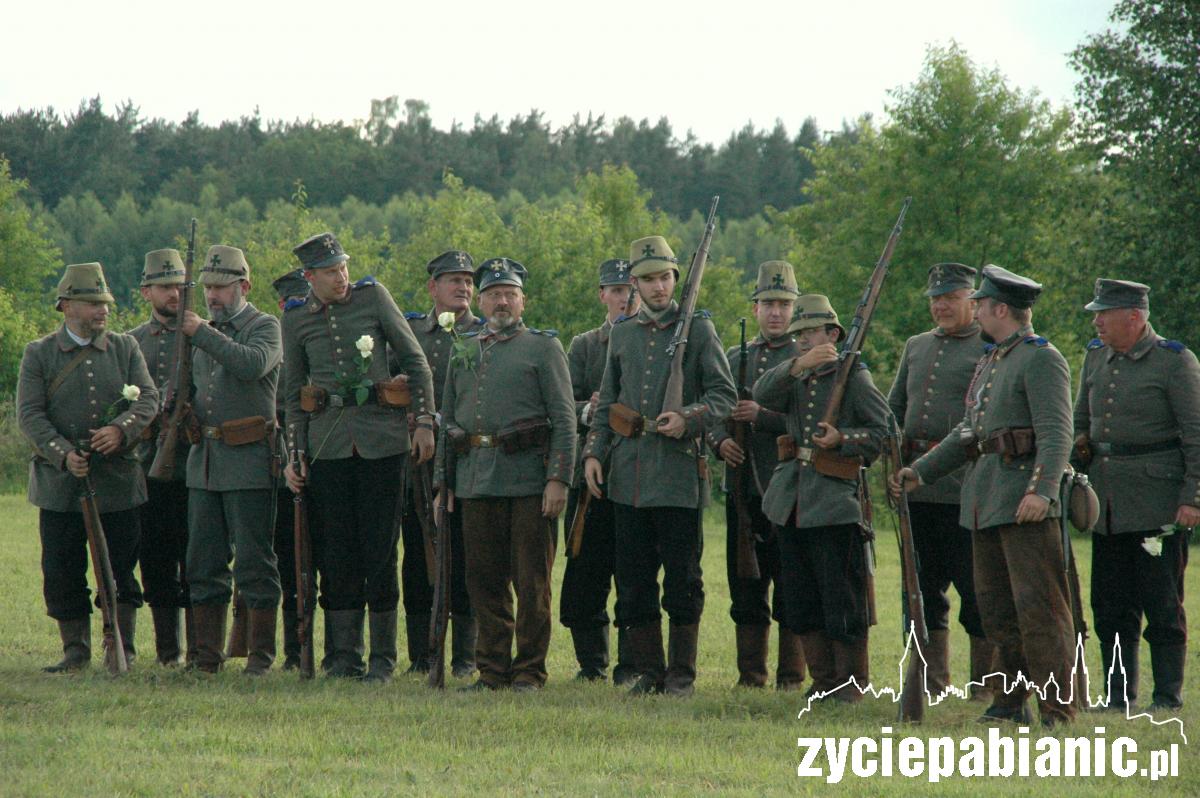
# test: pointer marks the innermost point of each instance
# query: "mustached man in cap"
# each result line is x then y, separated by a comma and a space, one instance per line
657, 475
163, 550
1137, 427
231, 470
927, 399
751, 605
589, 575
83, 398
348, 433
507, 456
824, 567
451, 286
1015, 440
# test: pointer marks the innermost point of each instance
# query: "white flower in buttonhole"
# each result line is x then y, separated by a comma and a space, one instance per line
460, 355
131, 393
446, 320
1153, 544
365, 345
357, 385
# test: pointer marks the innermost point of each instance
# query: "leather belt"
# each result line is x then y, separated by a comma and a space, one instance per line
1105, 449
336, 400
483, 441
214, 433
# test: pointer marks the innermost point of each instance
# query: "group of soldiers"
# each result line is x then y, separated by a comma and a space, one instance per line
510, 430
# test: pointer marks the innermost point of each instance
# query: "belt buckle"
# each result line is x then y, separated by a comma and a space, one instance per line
1102, 448
485, 441
804, 454
212, 433
335, 400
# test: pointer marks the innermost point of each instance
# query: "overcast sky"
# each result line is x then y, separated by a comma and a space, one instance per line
709, 67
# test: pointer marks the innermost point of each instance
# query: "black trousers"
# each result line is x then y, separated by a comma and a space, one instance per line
649, 538
354, 534
750, 600
588, 578
65, 560
946, 557
162, 552
823, 577
414, 575
1128, 583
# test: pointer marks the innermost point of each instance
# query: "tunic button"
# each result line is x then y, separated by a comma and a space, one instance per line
936, 363
339, 350
1116, 372
334, 326
928, 390
88, 362
337, 337
760, 371
924, 417
1112, 385
89, 373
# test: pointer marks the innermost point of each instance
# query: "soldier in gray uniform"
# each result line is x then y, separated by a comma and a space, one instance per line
657, 475
774, 301
346, 428
76, 408
506, 455
1016, 435
1137, 427
588, 577
163, 550
451, 285
232, 471
927, 399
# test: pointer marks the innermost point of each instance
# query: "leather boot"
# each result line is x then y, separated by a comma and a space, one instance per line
382, 661
591, 651
625, 673
850, 660
1120, 688
683, 642
1166, 663
291, 640
416, 627
345, 631
260, 640
76, 637
818, 654
168, 623
210, 636
237, 647
464, 633
127, 623
752, 642
984, 661
791, 671
189, 625
937, 657
646, 645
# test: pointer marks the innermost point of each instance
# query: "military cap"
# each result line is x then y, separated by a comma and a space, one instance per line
1004, 286
814, 310
320, 252
83, 282
651, 255
947, 277
449, 262
1119, 294
163, 267
776, 280
291, 284
224, 265
500, 271
614, 272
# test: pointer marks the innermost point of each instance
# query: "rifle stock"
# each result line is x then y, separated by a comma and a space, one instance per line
175, 403
577, 521
305, 600
912, 696
106, 585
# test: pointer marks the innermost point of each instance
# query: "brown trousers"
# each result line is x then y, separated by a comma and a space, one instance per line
1023, 601
509, 544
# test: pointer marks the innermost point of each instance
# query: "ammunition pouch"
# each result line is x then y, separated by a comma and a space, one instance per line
625, 421
458, 439
313, 398
1009, 443
393, 392
526, 434
823, 461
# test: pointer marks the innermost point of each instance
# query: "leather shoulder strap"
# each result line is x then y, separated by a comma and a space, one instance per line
62, 375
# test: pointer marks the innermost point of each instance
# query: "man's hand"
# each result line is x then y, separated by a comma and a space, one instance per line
107, 440
731, 453
190, 323
444, 500
423, 441
77, 464
829, 437
906, 478
594, 475
1188, 515
816, 357
745, 410
554, 498
1032, 509
296, 480
671, 424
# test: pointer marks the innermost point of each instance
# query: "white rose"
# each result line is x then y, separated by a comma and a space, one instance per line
1153, 546
131, 392
446, 320
365, 344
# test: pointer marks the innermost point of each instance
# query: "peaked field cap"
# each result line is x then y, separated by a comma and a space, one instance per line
1007, 287
1111, 294
614, 271
947, 277
450, 262
500, 271
290, 284
321, 251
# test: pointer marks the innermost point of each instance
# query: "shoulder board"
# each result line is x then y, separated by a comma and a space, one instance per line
294, 302
861, 365
1036, 340
369, 280
622, 318
988, 348
414, 315
701, 314
472, 333
478, 322
551, 333
1095, 343
1174, 346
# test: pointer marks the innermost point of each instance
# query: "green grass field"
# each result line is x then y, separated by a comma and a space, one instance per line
167, 732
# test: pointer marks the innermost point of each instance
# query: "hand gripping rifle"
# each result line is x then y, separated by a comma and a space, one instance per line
305, 598
741, 476
176, 404
106, 585
439, 619
912, 605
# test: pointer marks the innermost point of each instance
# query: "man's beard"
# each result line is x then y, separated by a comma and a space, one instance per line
167, 312
500, 321
226, 313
